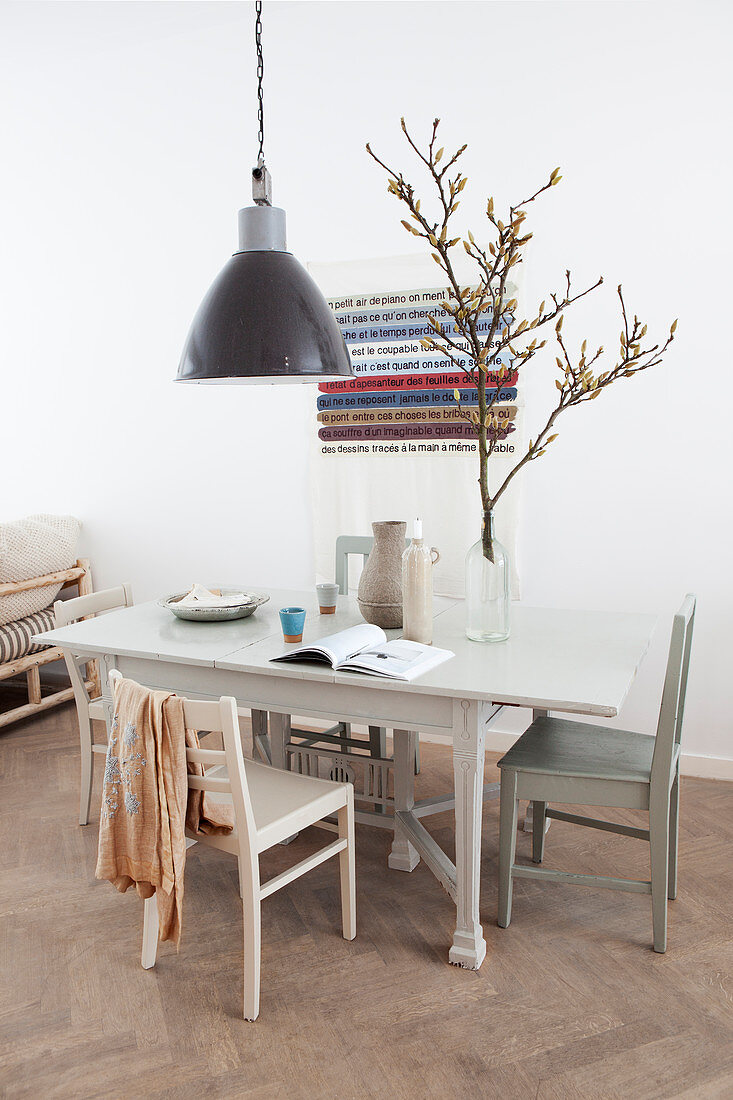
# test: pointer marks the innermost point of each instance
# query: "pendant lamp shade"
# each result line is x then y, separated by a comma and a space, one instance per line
263, 319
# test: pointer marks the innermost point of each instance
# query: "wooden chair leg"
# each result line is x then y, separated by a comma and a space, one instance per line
508, 812
659, 845
260, 736
417, 754
150, 932
377, 742
674, 809
378, 749
85, 740
347, 870
252, 952
538, 831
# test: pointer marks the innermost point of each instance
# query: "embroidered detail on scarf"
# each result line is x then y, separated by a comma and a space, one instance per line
119, 772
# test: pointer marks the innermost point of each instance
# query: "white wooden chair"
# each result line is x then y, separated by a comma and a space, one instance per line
557, 760
269, 806
88, 709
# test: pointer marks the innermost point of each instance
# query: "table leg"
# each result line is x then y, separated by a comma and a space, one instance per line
403, 856
469, 720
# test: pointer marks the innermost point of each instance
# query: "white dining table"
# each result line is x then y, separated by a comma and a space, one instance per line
576, 662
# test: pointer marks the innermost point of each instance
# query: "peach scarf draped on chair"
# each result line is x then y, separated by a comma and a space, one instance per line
146, 804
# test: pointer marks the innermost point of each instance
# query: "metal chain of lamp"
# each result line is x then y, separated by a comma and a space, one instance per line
260, 75
263, 319
261, 180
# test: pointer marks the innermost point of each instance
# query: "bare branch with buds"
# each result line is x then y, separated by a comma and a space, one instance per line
508, 336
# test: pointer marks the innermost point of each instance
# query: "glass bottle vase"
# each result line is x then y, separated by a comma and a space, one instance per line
488, 590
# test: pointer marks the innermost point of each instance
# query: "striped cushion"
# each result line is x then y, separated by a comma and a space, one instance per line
15, 638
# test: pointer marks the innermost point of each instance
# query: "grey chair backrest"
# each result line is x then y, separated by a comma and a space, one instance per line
351, 544
346, 545
671, 712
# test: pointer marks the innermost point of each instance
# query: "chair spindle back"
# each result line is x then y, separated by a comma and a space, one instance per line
345, 546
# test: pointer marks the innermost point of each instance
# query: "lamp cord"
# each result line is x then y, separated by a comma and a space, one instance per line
260, 73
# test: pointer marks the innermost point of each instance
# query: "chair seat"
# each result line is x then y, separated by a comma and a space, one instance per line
283, 802
557, 746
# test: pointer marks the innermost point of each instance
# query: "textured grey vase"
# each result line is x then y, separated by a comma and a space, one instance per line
380, 586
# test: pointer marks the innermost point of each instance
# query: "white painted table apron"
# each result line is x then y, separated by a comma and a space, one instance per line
569, 661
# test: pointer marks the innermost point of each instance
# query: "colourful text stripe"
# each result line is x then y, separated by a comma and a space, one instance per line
506, 414
400, 381
359, 334
375, 399
391, 300
406, 431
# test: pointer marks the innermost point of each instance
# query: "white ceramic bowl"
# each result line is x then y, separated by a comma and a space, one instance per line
214, 614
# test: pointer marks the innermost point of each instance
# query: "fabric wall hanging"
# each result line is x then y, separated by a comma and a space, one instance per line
389, 443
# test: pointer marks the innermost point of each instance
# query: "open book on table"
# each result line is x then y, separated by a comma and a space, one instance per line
365, 649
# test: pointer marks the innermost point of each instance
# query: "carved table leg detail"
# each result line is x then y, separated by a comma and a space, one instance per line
469, 718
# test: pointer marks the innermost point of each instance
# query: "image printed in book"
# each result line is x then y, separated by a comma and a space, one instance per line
365, 649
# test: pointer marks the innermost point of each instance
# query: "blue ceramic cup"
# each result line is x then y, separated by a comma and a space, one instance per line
292, 620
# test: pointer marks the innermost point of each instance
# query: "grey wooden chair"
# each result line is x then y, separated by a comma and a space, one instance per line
341, 733
557, 760
361, 545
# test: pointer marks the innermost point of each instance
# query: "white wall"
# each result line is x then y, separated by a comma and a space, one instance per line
128, 132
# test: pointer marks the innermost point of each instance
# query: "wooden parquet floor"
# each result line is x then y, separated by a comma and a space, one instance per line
570, 1003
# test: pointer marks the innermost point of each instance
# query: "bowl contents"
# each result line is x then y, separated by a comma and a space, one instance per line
199, 596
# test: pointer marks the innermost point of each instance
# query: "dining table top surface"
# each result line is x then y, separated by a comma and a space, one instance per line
558, 659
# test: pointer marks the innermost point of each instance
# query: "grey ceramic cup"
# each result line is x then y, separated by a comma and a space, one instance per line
327, 596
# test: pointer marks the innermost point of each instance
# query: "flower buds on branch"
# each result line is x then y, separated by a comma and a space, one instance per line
509, 337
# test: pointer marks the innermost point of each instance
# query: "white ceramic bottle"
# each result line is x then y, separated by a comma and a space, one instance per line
417, 588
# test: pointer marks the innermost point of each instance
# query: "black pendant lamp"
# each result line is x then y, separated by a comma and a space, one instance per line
263, 319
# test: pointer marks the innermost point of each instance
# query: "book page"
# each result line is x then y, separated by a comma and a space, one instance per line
397, 660
339, 647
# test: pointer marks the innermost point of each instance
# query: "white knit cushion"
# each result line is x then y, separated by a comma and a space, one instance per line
31, 547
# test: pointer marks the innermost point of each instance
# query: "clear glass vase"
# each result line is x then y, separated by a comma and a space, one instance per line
488, 590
